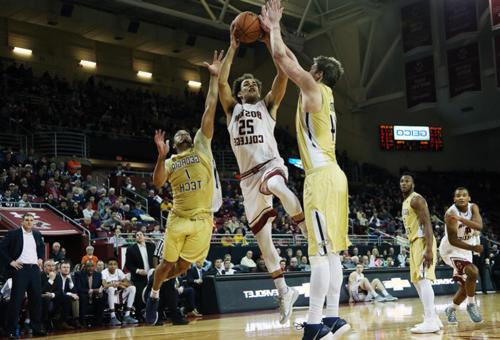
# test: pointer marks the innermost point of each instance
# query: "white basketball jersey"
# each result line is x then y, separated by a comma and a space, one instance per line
251, 131
464, 233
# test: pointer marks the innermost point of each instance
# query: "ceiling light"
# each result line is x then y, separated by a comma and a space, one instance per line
144, 74
22, 51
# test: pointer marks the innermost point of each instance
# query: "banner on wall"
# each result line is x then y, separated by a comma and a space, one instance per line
416, 26
495, 13
464, 70
420, 82
460, 16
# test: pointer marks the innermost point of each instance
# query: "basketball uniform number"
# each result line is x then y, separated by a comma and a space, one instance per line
245, 127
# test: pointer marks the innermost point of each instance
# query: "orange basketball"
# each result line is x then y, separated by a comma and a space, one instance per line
248, 28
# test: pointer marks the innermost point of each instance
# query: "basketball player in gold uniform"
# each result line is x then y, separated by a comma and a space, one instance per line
423, 251
196, 190
325, 185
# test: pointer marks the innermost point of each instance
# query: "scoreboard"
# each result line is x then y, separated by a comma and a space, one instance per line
410, 138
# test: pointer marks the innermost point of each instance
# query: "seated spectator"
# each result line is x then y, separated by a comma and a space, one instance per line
248, 261
217, 269
294, 265
8, 200
51, 294
239, 238
117, 240
89, 256
56, 253
187, 299
100, 266
115, 283
304, 265
283, 265
261, 266
137, 211
88, 211
361, 290
70, 313
89, 288
401, 258
194, 278
228, 257
24, 202
228, 270
75, 212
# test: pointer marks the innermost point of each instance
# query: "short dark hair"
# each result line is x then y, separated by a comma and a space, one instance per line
28, 215
462, 188
409, 174
332, 70
112, 259
238, 81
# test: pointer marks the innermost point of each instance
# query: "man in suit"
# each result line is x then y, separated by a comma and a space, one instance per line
195, 280
51, 293
138, 261
89, 288
70, 301
22, 250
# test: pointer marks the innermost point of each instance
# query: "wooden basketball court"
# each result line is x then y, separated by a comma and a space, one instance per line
369, 321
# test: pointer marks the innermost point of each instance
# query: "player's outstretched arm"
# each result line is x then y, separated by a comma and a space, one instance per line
270, 19
424, 218
476, 222
226, 97
160, 173
274, 97
452, 230
208, 118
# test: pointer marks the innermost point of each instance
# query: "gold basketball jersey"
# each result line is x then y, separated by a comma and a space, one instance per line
192, 176
316, 132
412, 225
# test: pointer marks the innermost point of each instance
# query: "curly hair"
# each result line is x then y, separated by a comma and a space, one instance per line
332, 70
238, 81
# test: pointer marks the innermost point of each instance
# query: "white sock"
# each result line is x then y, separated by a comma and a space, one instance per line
127, 313
320, 278
281, 285
113, 315
455, 306
155, 294
27, 320
384, 292
270, 255
336, 278
278, 187
427, 298
471, 299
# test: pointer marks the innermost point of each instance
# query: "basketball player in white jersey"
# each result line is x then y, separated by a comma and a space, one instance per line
463, 224
325, 184
250, 122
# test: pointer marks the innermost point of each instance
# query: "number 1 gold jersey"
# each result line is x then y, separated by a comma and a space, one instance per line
194, 180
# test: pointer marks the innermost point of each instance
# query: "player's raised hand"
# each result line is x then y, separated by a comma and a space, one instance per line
162, 145
214, 67
264, 19
428, 258
235, 41
274, 12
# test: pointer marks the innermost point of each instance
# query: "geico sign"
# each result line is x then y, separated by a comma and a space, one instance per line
411, 132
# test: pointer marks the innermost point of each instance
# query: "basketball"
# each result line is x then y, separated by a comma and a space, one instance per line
248, 28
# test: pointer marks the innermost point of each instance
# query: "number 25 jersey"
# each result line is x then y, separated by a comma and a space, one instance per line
251, 131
